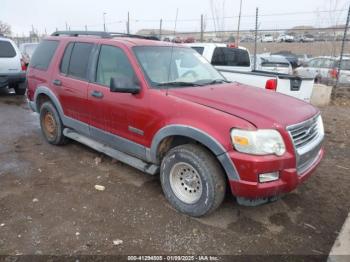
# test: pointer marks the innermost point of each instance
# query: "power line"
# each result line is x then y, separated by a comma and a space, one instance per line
250, 15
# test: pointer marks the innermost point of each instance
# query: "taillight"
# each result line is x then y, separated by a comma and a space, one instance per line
23, 65
333, 73
271, 84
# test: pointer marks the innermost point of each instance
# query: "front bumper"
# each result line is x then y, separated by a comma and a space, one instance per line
289, 179
12, 78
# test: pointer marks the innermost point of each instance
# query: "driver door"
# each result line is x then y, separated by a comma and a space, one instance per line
112, 112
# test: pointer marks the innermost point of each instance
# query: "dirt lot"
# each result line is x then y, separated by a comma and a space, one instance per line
48, 203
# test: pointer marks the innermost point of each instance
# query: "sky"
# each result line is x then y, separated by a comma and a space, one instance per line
49, 15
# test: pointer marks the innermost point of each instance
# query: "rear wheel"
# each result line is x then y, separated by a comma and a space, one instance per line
192, 180
51, 124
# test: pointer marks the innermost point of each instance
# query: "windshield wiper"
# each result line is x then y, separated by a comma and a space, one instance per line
178, 84
217, 81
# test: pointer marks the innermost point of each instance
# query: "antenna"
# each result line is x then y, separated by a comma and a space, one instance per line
172, 49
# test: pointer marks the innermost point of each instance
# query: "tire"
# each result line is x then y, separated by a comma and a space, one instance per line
192, 180
51, 124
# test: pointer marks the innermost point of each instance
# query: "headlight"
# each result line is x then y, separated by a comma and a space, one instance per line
259, 142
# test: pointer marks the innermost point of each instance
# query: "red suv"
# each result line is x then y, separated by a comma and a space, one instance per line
162, 108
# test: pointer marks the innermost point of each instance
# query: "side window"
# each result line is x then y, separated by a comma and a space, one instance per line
199, 49
113, 62
314, 63
66, 58
328, 63
79, 59
43, 54
345, 64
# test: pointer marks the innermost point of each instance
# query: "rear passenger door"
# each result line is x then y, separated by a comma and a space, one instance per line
71, 83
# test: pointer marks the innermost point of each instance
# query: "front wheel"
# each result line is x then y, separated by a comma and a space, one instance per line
192, 180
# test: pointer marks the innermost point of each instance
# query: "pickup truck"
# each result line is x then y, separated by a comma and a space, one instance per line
235, 65
163, 109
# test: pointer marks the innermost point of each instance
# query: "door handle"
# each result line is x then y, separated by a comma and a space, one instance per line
97, 94
57, 82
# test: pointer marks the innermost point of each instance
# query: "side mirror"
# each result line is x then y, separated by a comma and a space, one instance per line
124, 85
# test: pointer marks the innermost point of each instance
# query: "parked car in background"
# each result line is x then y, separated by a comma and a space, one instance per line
285, 38
267, 38
162, 108
324, 69
27, 50
235, 65
291, 57
247, 39
12, 67
273, 63
307, 38
344, 77
303, 58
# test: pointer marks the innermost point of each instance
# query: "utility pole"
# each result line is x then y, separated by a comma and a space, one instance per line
86, 28
104, 21
256, 36
342, 48
160, 29
128, 24
202, 29
66, 26
239, 23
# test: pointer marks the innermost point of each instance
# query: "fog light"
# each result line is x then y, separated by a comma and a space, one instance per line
268, 177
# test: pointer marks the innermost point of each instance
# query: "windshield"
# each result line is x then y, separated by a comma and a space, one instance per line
175, 66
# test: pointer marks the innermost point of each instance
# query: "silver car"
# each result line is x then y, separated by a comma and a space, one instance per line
273, 63
325, 70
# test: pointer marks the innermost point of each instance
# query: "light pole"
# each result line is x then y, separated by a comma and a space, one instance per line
104, 21
239, 22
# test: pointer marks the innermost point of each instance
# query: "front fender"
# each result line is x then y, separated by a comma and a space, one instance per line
200, 136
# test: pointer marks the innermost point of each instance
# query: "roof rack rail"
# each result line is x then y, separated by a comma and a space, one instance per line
102, 34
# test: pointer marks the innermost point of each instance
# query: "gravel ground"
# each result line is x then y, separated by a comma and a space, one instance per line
49, 204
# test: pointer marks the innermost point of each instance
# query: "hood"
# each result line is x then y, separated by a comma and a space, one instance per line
263, 108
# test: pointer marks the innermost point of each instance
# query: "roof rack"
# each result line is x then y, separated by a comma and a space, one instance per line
102, 34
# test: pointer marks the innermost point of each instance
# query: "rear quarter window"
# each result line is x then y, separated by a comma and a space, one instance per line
224, 56
7, 50
43, 54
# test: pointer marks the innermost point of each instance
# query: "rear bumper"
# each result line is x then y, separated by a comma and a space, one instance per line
289, 179
13, 78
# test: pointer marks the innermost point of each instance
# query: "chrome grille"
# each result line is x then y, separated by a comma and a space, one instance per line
304, 133
307, 139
